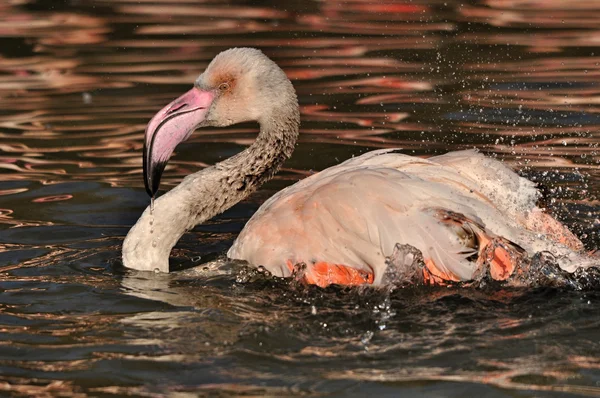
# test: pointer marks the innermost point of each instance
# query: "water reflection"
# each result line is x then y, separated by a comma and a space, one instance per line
79, 81
408, 337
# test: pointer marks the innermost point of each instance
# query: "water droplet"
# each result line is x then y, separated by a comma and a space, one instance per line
156, 271
154, 243
313, 310
87, 98
367, 337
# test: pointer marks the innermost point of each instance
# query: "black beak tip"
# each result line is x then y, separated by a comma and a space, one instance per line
152, 173
145, 165
148, 190
152, 177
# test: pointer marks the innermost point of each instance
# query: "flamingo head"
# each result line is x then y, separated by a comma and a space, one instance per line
239, 85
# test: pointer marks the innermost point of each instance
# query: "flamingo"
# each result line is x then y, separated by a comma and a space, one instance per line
464, 213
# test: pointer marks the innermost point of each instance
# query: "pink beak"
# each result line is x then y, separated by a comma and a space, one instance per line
172, 125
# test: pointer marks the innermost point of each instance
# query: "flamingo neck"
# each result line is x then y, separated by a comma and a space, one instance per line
211, 191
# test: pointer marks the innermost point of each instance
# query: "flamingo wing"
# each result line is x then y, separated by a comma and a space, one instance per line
352, 216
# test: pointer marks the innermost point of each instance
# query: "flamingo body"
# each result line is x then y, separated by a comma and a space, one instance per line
355, 213
464, 214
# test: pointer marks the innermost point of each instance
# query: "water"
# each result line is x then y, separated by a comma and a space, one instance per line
80, 79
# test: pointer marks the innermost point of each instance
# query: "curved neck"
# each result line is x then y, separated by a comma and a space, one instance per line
249, 169
206, 193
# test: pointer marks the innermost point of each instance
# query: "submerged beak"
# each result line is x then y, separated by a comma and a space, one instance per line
172, 125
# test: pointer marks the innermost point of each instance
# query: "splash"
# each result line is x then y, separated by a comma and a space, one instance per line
405, 268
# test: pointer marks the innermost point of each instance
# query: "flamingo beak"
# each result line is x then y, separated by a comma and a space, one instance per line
172, 125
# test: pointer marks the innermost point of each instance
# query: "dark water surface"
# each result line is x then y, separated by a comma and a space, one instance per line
80, 79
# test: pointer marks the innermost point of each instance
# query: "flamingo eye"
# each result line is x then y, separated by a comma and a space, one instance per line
224, 86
